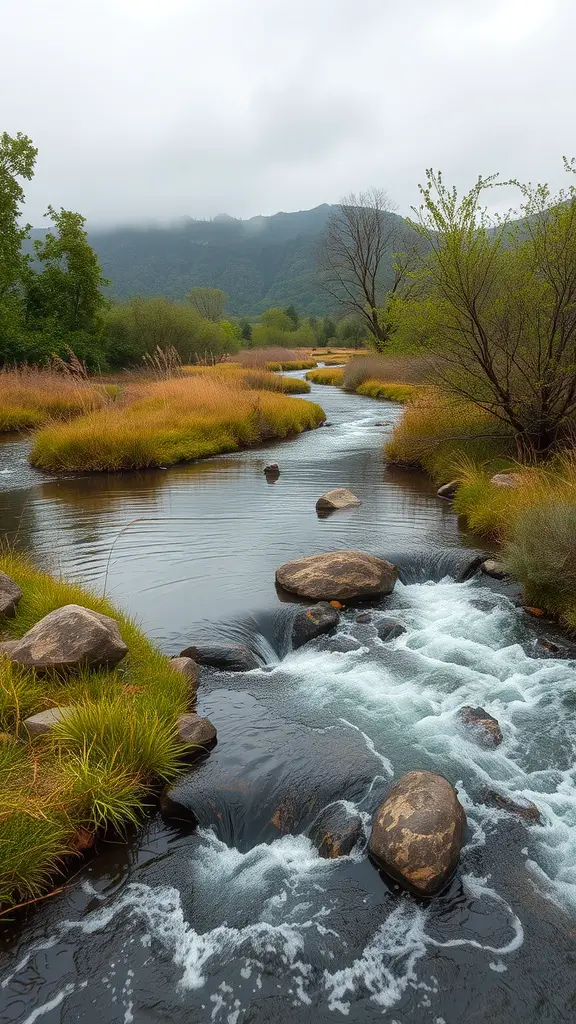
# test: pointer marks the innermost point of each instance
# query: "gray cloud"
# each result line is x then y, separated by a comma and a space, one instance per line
158, 110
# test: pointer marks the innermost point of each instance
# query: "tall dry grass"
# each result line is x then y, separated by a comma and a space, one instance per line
163, 422
255, 379
393, 369
30, 396
274, 358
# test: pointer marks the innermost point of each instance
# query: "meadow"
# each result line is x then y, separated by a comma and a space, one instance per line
30, 397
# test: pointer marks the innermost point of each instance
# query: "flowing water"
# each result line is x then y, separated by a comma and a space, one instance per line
240, 920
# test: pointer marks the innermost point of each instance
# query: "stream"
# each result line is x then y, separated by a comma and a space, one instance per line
240, 920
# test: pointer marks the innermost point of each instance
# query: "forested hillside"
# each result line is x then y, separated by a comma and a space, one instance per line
261, 262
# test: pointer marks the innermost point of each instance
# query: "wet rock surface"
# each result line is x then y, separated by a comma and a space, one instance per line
417, 832
482, 727
336, 831
520, 807
389, 629
188, 668
199, 732
10, 595
229, 657
338, 575
69, 638
448, 490
339, 498
313, 622
494, 568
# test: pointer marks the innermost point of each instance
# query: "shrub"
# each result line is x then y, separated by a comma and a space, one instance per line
390, 369
541, 551
324, 375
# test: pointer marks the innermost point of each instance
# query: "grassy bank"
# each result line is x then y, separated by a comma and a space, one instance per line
163, 422
326, 376
390, 392
115, 744
534, 521
30, 397
254, 379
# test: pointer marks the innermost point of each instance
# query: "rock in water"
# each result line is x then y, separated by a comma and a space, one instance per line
197, 733
335, 831
313, 622
338, 575
492, 567
448, 490
338, 498
417, 832
227, 657
188, 668
521, 807
485, 728
10, 595
68, 638
389, 629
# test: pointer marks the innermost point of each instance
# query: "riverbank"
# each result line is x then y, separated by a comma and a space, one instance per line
97, 767
160, 423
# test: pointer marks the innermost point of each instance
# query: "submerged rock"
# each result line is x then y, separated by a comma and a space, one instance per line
417, 832
389, 629
363, 617
313, 622
484, 728
45, 721
338, 575
199, 733
338, 498
272, 470
10, 595
228, 657
68, 638
448, 490
520, 807
335, 831
492, 567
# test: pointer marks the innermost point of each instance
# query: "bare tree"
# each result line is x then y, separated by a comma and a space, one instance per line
358, 258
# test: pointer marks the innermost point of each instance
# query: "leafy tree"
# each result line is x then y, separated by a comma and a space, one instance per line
328, 328
502, 305
292, 312
357, 258
230, 330
277, 320
208, 302
245, 329
17, 160
352, 331
139, 326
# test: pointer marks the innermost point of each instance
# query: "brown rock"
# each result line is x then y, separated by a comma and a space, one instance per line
197, 733
492, 567
335, 831
338, 575
484, 728
10, 595
448, 490
273, 469
523, 809
45, 721
338, 498
188, 668
417, 832
313, 622
68, 638
506, 479
536, 613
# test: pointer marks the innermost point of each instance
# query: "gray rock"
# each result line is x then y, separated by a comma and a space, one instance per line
363, 618
68, 638
492, 567
389, 629
448, 490
506, 479
335, 831
228, 657
417, 832
338, 576
198, 733
338, 498
45, 721
10, 595
188, 668
313, 622
484, 728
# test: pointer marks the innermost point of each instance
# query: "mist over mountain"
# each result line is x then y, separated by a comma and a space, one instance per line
261, 262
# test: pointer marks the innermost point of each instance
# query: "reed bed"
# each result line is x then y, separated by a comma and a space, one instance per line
393, 369
255, 379
160, 423
274, 359
30, 397
108, 754
390, 392
326, 375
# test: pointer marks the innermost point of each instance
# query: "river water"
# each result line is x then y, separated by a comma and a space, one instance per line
240, 920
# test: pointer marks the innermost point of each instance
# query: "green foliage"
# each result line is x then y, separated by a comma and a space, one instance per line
541, 551
210, 303
277, 320
245, 329
292, 313
17, 160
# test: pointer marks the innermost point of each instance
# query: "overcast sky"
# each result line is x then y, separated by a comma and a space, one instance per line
157, 109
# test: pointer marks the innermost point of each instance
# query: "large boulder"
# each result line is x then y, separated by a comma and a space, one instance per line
338, 498
335, 831
417, 832
313, 622
68, 638
483, 727
227, 657
338, 575
10, 595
